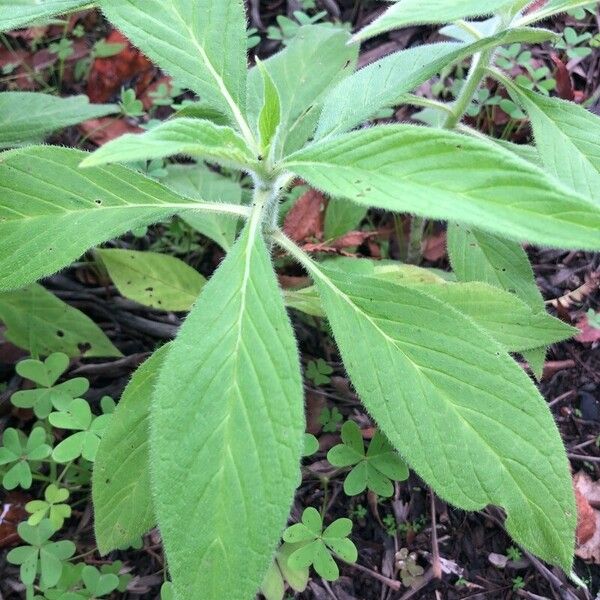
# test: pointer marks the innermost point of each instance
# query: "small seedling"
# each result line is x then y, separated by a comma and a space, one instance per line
514, 553
518, 583
48, 394
53, 507
315, 546
318, 371
130, 105
78, 417
411, 572
330, 419
375, 469
19, 451
41, 555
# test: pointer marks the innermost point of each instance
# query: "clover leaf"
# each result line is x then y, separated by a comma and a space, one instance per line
315, 546
280, 572
311, 445
319, 371
78, 417
41, 555
19, 450
52, 507
330, 419
48, 395
373, 470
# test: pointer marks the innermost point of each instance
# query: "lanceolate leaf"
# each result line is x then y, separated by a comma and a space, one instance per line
456, 406
316, 59
551, 8
121, 478
202, 44
404, 13
152, 279
341, 217
443, 175
480, 256
38, 321
383, 83
205, 185
566, 138
18, 13
270, 114
28, 116
51, 211
192, 137
227, 430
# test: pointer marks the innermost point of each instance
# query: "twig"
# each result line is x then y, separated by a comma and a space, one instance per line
436, 566
391, 583
594, 459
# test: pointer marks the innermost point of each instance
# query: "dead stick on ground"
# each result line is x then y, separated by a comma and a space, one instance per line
435, 548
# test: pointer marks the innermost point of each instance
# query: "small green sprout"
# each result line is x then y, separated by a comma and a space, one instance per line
130, 105
518, 583
330, 419
20, 451
318, 371
48, 394
411, 573
78, 417
40, 555
315, 546
374, 470
53, 507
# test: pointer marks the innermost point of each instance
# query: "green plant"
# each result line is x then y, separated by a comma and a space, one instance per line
19, 451
410, 571
375, 469
518, 583
313, 546
514, 553
593, 318
428, 357
318, 371
130, 105
330, 419
53, 507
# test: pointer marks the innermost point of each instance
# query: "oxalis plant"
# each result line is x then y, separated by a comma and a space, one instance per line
208, 438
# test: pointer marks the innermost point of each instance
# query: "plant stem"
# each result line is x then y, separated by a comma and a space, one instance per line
476, 75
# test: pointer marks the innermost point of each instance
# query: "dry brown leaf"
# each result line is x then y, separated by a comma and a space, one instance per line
589, 334
434, 247
305, 219
587, 493
101, 131
592, 283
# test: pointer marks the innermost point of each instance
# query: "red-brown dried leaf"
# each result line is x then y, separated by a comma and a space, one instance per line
11, 514
434, 247
589, 334
109, 75
306, 218
101, 131
536, 5
587, 493
564, 83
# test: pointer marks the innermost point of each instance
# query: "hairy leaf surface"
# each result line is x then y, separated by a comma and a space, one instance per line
202, 44
405, 13
566, 138
26, 117
38, 321
227, 430
121, 492
383, 83
456, 406
192, 137
153, 279
443, 175
551, 8
315, 60
18, 13
51, 211
203, 184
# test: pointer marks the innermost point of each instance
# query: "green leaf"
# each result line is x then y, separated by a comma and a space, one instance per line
503, 315
192, 137
51, 211
341, 217
566, 138
202, 44
121, 478
444, 175
405, 13
42, 323
551, 8
315, 60
479, 256
227, 430
383, 83
18, 13
456, 406
153, 279
26, 117
44, 373
270, 114
201, 183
